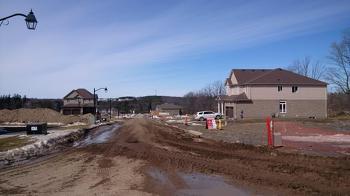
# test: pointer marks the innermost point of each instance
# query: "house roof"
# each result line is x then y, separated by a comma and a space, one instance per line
272, 76
82, 92
168, 106
234, 98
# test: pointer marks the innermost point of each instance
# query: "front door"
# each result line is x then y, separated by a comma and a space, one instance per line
229, 112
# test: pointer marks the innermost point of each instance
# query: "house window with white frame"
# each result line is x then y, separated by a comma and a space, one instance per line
283, 107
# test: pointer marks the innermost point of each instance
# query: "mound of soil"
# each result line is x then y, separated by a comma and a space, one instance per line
41, 115
172, 150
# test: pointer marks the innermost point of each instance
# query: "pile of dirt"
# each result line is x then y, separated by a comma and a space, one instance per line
171, 150
41, 115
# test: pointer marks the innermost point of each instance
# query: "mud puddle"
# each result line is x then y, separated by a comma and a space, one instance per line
195, 184
98, 137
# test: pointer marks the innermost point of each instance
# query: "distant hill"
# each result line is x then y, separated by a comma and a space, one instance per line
128, 104
125, 104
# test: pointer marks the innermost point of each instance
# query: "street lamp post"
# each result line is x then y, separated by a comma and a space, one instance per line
29, 19
95, 90
110, 108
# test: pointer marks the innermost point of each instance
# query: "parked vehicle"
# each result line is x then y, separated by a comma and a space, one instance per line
203, 115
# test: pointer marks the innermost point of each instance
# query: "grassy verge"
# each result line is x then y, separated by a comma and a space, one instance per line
13, 142
341, 117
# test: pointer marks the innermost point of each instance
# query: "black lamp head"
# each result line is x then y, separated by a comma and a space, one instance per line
31, 21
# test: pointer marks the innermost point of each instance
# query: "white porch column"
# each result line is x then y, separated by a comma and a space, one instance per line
222, 108
219, 107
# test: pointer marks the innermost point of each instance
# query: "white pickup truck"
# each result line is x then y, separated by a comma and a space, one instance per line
203, 115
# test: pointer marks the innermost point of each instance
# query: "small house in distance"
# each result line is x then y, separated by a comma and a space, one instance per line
79, 101
169, 108
258, 93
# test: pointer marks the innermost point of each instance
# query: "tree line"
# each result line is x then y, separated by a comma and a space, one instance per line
204, 99
145, 104
17, 101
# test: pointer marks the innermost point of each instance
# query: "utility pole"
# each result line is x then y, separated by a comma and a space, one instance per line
95, 101
110, 109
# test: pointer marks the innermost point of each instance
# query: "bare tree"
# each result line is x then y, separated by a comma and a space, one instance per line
301, 66
306, 68
318, 71
339, 73
205, 98
218, 88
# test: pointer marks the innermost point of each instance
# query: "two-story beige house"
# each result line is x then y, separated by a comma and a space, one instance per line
79, 101
258, 93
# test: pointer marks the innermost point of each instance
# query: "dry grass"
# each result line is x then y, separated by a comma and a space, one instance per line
13, 142
341, 117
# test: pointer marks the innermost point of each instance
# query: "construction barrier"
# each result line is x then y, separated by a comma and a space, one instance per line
212, 123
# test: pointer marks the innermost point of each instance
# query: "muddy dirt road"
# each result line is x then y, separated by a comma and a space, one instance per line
145, 158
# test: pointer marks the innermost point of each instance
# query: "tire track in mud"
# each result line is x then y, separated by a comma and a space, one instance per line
172, 149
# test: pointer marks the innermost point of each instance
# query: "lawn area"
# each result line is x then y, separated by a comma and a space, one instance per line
13, 142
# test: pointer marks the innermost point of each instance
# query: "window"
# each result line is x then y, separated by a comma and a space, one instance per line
283, 107
279, 88
294, 89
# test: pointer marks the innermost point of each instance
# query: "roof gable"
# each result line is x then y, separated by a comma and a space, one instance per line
79, 93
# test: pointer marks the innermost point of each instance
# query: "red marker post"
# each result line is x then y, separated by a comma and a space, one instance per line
269, 126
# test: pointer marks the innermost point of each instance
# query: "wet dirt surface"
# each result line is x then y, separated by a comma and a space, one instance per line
122, 165
75, 172
98, 137
196, 184
172, 150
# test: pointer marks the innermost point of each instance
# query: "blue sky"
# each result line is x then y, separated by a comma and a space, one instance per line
170, 47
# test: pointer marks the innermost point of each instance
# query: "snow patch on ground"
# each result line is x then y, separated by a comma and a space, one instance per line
175, 121
41, 145
75, 124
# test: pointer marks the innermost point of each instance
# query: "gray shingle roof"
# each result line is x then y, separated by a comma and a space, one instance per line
234, 98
